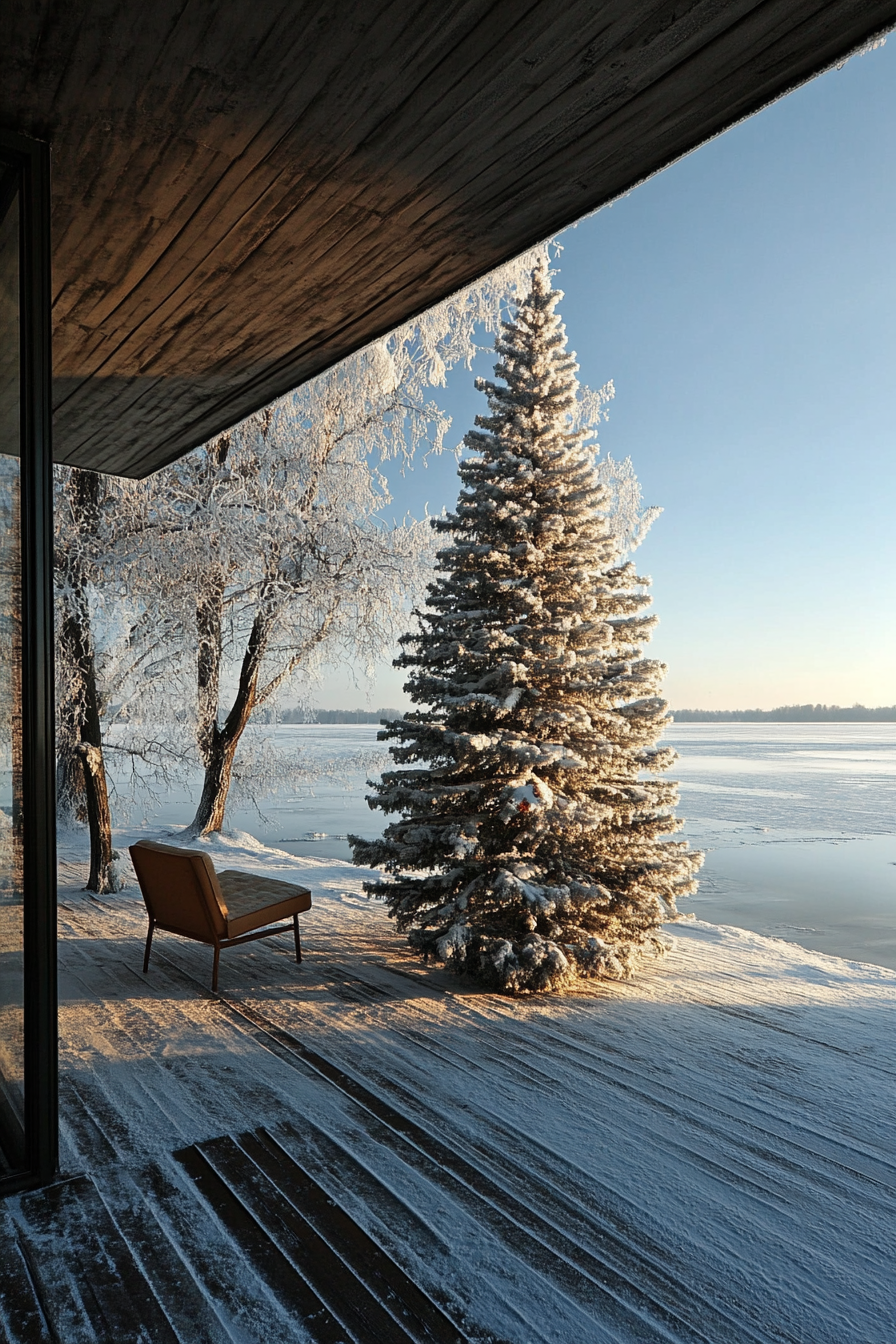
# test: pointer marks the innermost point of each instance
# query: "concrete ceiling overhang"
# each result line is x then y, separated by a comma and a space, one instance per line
246, 191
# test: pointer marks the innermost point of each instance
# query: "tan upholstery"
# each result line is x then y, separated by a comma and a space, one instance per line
180, 888
244, 896
184, 895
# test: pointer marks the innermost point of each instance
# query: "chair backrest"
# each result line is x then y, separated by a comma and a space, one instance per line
180, 888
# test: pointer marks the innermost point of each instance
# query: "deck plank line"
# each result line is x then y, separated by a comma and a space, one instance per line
584, 1276
747, 1128
772, 1153
366, 1260
164, 1261
22, 1318
339, 1287
588, 1287
71, 1237
268, 1260
396, 1206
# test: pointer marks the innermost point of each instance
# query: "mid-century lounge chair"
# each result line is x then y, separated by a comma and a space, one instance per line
185, 895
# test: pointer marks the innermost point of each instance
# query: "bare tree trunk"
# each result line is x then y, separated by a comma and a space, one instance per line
88, 753
216, 783
219, 744
71, 796
209, 617
76, 639
103, 873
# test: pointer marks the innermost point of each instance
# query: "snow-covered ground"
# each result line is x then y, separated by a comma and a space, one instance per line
704, 1153
799, 821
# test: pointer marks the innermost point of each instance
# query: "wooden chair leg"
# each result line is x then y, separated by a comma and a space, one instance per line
215, 968
148, 947
295, 928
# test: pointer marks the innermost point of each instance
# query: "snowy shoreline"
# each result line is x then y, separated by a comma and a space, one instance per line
796, 820
338, 882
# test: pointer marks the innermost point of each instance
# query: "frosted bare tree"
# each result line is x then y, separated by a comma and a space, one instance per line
264, 553
256, 558
83, 506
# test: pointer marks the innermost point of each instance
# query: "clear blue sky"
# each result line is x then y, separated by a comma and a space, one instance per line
744, 303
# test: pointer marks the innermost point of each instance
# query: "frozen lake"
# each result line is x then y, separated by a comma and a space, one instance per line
799, 821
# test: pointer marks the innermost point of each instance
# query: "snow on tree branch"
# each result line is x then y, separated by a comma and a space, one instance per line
202, 592
529, 844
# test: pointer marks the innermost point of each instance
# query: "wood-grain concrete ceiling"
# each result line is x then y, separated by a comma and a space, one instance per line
245, 191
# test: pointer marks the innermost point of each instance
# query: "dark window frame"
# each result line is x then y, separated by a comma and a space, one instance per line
30, 160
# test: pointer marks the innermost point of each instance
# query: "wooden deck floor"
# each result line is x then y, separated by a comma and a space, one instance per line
358, 1149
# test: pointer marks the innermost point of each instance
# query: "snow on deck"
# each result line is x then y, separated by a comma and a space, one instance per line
704, 1153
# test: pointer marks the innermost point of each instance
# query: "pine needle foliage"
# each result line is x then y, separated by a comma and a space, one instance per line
530, 841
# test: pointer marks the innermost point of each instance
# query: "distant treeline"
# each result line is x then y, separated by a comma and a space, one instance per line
339, 715
790, 714
783, 714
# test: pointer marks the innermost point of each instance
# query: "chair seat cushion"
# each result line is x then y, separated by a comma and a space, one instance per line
251, 902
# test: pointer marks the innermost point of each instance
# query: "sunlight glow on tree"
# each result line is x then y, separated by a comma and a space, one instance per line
528, 843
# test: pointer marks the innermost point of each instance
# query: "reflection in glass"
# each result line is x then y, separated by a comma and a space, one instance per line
10, 385
12, 982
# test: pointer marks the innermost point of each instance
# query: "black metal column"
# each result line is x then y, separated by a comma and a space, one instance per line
31, 159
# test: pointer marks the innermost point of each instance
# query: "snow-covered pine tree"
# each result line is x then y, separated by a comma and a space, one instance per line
528, 847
